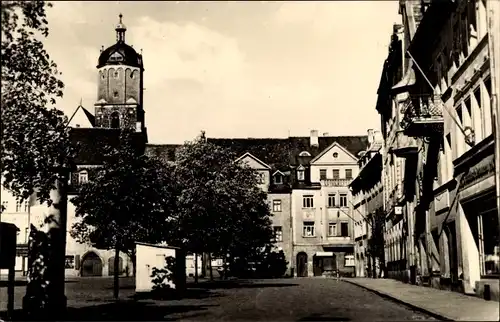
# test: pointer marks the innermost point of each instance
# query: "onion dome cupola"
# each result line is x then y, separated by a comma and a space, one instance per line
120, 53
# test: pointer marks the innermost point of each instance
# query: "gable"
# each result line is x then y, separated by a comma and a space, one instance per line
253, 162
328, 156
80, 119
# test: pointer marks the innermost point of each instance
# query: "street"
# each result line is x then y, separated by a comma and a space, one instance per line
303, 299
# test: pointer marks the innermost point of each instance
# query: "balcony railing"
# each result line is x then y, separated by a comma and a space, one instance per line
335, 182
423, 116
404, 145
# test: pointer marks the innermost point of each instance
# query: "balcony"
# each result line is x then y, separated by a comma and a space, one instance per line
404, 146
335, 182
423, 116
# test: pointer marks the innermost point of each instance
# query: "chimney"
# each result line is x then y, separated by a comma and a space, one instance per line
138, 127
314, 138
370, 136
326, 134
377, 136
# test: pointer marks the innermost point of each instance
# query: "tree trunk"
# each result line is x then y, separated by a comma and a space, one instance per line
210, 266
225, 266
45, 298
116, 276
196, 268
133, 258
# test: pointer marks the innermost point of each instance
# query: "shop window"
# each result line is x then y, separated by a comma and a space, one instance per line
349, 260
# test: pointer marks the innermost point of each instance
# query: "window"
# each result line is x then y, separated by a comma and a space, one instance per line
115, 94
331, 200
278, 179
5, 205
336, 173
308, 202
115, 74
300, 174
69, 261
322, 174
349, 260
83, 177
278, 234
26, 235
308, 229
304, 154
343, 200
277, 205
348, 173
19, 205
332, 229
335, 155
260, 177
344, 229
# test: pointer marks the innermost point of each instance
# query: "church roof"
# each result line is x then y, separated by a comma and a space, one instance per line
91, 143
120, 54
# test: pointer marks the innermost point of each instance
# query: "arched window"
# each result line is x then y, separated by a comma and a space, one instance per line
115, 120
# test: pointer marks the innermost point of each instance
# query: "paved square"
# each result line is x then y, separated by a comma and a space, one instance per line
305, 299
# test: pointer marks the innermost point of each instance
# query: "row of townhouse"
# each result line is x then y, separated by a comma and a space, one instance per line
306, 178
438, 169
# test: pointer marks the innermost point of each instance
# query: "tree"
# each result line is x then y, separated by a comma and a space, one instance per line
125, 203
35, 139
35, 144
220, 208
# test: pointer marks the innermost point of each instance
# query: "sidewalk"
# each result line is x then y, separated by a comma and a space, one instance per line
442, 304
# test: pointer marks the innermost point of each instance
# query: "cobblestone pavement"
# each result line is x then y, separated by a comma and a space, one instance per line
306, 299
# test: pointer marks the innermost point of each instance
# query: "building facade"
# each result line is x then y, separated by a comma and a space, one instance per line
306, 179
435, 99
368, 206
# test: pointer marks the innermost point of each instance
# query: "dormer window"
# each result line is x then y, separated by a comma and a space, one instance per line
304, 154
278, 177
83, 177
301, 173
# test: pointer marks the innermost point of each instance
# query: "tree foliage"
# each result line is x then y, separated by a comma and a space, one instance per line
220, 207
125, 203
34, 137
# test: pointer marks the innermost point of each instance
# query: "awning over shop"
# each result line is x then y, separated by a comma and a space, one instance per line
324, 254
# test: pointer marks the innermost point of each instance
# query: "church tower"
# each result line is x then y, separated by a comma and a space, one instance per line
120, 86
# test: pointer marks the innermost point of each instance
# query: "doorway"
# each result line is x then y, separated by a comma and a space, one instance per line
301, 264
91, 265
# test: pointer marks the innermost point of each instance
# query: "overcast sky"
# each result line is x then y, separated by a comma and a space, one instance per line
234, 69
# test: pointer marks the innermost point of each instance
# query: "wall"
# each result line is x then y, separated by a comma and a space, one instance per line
283, 219
149, 257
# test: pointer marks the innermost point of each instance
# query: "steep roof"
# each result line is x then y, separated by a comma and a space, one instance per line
91, 142
278, 153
